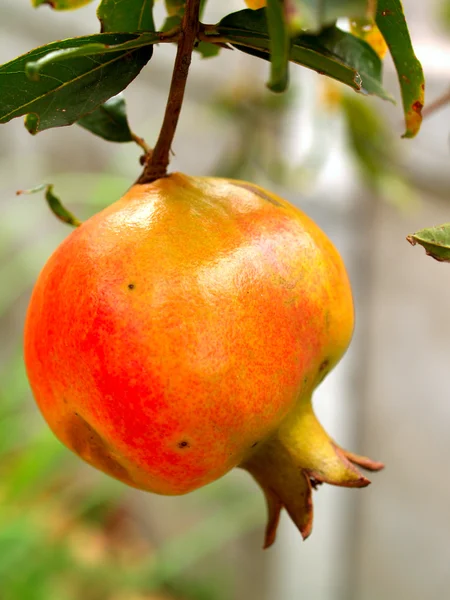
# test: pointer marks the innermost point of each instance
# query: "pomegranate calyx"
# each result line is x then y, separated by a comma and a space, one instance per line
294, 461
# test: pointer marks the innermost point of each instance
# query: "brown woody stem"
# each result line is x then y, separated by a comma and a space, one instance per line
158, 160
141, 142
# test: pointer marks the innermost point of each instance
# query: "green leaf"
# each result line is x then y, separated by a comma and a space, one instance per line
373, 146
314, 16
354, 54
33, 68
71, 85
109, 121
61, 4
175, 8
435, 240
392, 24
171, 22
368, 134
126, 15
279, 46
207, 50
334, 53
54, 203
175, 12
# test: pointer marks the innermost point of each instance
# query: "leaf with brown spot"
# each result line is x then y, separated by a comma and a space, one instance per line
391, 22
435, 240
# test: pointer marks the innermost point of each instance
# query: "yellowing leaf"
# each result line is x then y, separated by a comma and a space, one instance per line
61, 4
392, 23
255, 4
367, 30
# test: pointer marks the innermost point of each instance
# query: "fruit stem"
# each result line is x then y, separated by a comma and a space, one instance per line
158, 160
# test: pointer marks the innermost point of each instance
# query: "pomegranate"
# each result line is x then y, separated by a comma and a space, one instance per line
180, 333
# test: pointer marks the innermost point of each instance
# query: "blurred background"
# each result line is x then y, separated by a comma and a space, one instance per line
68, 532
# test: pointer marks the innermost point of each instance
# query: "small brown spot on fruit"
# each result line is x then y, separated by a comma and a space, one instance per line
131, 286
255, 444
324, 365
323, 369
184, 444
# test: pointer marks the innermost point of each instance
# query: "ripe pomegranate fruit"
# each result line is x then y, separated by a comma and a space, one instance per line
181, 332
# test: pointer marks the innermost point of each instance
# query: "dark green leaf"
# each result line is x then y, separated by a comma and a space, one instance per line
109, 121
392, 24
246, 21
54, 203
126, 15
353, 53
435, 240
279, 46
334, 53
61, 4
71, 86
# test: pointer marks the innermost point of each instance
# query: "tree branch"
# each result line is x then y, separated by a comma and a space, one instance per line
158, 160
436, 105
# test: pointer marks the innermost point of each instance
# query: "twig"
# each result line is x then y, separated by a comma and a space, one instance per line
141, 142
436, 105
158, 160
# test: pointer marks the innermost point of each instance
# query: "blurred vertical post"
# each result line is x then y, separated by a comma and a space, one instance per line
319, 567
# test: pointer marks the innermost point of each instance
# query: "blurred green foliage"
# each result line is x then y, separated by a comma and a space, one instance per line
261, 120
